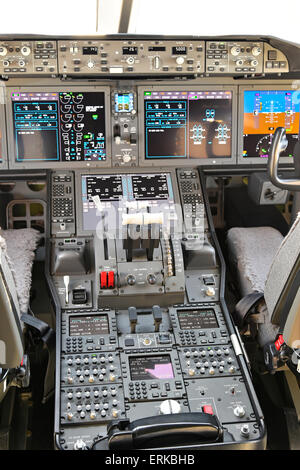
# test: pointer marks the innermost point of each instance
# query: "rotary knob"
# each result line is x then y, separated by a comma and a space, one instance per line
80, 445
254, 63
92, 415
245, 431
235, 50
256, 50
180, 60
151, 279
131, 280
25, 51
126, 158
91, 64
156, 62
210, 291
22, 63
168, 407
239, 411
3, 51
239, 62
191, 372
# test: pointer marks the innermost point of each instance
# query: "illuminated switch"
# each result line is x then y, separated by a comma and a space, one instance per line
111, 279
103, 279
207, 409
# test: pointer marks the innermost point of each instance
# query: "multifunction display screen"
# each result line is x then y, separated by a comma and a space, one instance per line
151, 367
153, 190
59, 126
88, 325
186, 124
197, 319
264, 111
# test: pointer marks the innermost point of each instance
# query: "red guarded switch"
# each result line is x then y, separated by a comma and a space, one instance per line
208, 409
103, 280
111, 279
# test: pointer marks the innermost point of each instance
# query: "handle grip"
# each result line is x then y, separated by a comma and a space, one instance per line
180, 429
279, 143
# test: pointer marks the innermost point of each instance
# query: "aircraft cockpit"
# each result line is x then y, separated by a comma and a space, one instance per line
149, 233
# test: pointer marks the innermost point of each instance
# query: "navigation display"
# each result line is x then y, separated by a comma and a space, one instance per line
59, 126
188, 124
89, 325
264, 111
151, 367
197, 319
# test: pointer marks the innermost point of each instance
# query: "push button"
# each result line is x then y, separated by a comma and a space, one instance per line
103, 280
207, 409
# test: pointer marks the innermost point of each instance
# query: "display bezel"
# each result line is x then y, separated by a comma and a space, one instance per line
157, 162
108, 171
61, 164
287, 161
4, 162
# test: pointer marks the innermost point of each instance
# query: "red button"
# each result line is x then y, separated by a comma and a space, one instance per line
111, 279
207, 409
103, 279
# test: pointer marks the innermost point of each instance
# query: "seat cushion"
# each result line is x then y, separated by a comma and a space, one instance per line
251, 253
20, 247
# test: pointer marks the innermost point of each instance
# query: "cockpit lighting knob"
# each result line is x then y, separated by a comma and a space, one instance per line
256, 50
210, 291
3, 51
239, 411
235, 50
180, 60
168, 407
25, 50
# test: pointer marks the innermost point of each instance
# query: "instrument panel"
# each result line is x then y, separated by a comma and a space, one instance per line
96, 126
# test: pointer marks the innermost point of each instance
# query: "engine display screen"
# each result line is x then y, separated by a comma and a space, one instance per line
59, 126
108, 188
153, 191
264, 111
88, 325
197, 319
151, 367
150, 186
186, 124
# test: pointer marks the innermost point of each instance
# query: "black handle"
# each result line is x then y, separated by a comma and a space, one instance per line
181, 429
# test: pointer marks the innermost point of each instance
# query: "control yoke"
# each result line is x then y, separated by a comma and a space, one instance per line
279, 144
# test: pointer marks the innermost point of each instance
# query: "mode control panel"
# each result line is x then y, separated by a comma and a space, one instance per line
124, 128
28, 57
234, 57
131, 56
